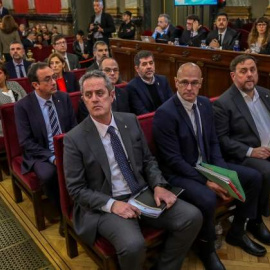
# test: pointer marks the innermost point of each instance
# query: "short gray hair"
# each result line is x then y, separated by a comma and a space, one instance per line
96, 74
166, 17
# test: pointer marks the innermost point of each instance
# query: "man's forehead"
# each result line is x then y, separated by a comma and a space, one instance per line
246, 63
109, 62
12, 47
146, 59
101, 47
47, 71
219, 18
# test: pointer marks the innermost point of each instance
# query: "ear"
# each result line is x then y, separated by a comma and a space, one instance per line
137, 68
35, 85
232, 75
112, 94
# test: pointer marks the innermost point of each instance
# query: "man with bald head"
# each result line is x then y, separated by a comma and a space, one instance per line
184, 133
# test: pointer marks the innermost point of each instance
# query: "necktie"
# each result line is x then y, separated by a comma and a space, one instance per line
21, 71
122, 161
67, 68
220, 39
53, 119
199, 133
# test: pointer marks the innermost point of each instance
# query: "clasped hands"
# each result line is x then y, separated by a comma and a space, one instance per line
220, 191
126, 210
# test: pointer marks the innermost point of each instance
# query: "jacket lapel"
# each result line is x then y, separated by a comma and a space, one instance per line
143, 91
265, 98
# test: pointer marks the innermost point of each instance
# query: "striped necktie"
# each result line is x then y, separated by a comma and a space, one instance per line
53, 119
21, 71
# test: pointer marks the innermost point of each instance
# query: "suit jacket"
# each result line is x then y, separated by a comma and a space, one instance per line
139, 96
195, 41
168, 35
71, 82
4, 12
229, 38
120, 104
107, 24
73, 61
94, 66
78, 51
87, 171
27, 44
11, 68
176, 140
31, 126
235, 126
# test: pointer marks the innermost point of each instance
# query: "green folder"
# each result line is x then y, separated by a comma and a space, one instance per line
228, 179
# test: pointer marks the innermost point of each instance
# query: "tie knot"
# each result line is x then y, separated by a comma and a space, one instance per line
111, 130
194, 106
49, 103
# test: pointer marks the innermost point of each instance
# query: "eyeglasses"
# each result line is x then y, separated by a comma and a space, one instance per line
109, 70
187, 83
49, 79
262, 24
61, 43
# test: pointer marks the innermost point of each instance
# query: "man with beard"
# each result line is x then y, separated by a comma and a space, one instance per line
148, 90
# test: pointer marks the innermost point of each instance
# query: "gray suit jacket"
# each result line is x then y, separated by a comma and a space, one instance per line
235, 126
73, 61
87, 171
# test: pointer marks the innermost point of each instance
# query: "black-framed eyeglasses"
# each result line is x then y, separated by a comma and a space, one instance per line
61, 43
109, 70
49, 79
185, 83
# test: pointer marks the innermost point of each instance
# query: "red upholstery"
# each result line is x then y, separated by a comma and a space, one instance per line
212, 99
147, 33
247, 26
70, 39
41, 54
79, 72
2, 144
121, 85
75, 97
28, 183
25, 84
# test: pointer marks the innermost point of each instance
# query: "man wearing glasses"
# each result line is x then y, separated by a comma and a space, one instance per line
39, 116
184, 133
60, 46
148, 90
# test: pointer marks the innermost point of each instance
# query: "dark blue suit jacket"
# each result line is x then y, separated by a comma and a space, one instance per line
176, 140
139, 96
4, 12
11, 68
71, 82
31, 126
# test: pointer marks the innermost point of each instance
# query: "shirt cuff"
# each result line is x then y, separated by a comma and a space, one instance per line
250, 149
194, 34
52, 158
107, 207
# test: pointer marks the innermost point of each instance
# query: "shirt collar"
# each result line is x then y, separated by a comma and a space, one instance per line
149, 83
223, 33
17, 64
166, 30
246, 96
187, 105
102, 128
41, 100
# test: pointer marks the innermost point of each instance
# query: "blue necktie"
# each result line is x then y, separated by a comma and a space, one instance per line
21, 71
122, 161
53, 119
199, 133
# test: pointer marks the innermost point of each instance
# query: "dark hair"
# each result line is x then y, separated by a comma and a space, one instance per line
16, 42
8, 24
193, 17
80, 32
105, 58
32, 72
222, 14
58, 37
58, 55
4, 69
140, 55
240, 59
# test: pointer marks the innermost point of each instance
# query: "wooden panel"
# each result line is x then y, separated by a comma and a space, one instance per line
214, 63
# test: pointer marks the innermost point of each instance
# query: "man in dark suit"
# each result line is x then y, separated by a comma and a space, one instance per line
148, 90
223, 36
3, 11
60, 46
39, 116
164, 29
30, 41
17, 67
101, 187
242, 117
120, 103
184, 133
101, 25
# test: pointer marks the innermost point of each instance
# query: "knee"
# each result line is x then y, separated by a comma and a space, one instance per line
133, 247
195, 219
208, 204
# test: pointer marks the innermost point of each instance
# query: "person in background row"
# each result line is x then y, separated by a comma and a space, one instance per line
46, 38
31, 41
55, 31
258, 38
18, 66
127, 28
22, 31
8, 34
223, 36
3, 11
66, 81
10, 91
100, 50
164, 29
148, 90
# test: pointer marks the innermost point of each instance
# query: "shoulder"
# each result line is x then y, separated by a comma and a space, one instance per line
134, 81
231, 31
263, 90
167, 107
161, 78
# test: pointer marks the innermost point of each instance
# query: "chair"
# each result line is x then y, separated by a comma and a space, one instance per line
121, 85
243, 41
25, 84
41, 54
28, 182
102, 253
213, 99
2, 156
75, 97
147, 33
86, 63
78, 73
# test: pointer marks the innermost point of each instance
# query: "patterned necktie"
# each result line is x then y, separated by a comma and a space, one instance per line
21, 71
122, 161
67, 68
53, 119
220, 39
199, 133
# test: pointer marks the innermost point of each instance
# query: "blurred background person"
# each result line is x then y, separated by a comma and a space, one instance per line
127, 28
47, 40
8, 34
22, 31
258, 38
31, 41
66, 81
3, 11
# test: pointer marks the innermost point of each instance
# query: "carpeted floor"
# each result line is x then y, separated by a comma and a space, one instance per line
17, 249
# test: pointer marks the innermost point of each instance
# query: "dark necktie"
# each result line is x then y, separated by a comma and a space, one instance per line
21, 71
220, 39
122, 161
199, 133
53, 119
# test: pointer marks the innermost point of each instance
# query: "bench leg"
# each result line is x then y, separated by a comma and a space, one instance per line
38, 210
71, 243
16, 190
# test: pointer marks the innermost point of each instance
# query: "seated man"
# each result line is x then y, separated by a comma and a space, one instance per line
100, 50
17, 67
30, 41
184, 133
148, 90
223, 37
242, 117
164, 29
39, 116
120, 103
106, 160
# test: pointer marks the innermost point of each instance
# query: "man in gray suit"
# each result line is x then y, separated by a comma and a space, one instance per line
101, 187
242, 116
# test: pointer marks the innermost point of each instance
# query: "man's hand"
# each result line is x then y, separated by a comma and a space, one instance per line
214, 43
260, 152
100, 29
125, 210
85, 56
158, 29
220, 191
195, 26
162, 194
91, 27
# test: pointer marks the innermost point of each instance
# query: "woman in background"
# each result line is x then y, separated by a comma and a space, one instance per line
66, 81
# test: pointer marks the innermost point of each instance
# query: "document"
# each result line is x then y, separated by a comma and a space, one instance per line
145, 202
227, 179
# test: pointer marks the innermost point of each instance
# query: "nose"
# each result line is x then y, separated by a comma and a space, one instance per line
189, 86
